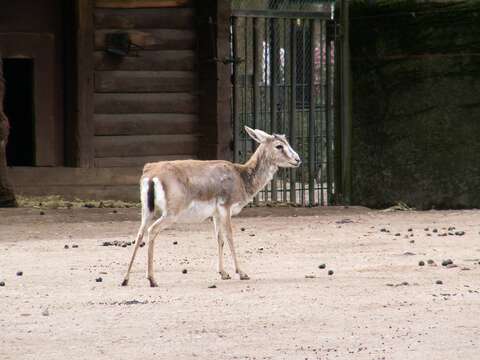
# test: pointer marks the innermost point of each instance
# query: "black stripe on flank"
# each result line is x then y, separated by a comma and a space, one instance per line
151, 196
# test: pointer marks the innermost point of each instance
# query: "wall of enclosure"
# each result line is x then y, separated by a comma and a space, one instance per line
416, 103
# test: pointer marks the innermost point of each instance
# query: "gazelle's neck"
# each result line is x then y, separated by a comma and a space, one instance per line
258, 171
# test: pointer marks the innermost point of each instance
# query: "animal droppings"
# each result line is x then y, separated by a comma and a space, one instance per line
66, 246
421, 263
322, 266
397, 234
330, 272
75, 246
447, 262
2, 283
142, 244
212, 286
435, 230
99, 279
175, 242
439, 282
184, 271
19, 273
410, 229
242, 229
459, 233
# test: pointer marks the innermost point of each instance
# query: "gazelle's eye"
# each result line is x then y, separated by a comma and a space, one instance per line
279, 147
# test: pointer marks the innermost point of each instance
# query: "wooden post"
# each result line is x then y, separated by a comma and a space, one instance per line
215, 85
7, 197
80, 112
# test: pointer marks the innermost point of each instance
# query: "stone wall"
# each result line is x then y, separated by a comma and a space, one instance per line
416, 103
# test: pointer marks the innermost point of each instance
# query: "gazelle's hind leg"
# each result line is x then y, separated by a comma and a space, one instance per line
219, 237
157, 226
147, 216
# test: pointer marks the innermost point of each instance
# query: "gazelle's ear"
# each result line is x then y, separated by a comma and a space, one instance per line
258, 135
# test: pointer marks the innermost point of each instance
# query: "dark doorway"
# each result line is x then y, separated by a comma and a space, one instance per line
19, 108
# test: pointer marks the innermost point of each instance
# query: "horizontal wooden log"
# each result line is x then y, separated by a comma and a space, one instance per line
153, 39
145, 81
173, 18
63, 176
88, 192
147, 60
134, 4
137, 161
145, 145
145, 103
145, 124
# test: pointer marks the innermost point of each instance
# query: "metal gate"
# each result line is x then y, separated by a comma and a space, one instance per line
283, 82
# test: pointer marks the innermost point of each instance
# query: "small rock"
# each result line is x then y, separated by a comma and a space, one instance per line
435, 230
42, 213
439, 282
451, 228
107, 243
75, 246
175, 243
66, 246
251, 234
408, 253
309, 276
465, 268
124, 245
447, 262
242, 229
184, 271
405, 283
397, 234
421, 263
459, 233
383, 230
2, 283
142, 244
322, 266
330, 272
450, 266
410, 229
431, 262
114, 211
428, 234
99, 279
426, 229
45, 312
212, 286
129, 243
19, 273
412, 241
261, 249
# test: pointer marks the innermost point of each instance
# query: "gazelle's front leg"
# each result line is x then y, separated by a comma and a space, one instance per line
226, 232
219, 238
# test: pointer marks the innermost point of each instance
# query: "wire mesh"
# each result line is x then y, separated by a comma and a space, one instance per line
283, 83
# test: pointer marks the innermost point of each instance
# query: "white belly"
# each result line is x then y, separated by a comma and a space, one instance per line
197, 211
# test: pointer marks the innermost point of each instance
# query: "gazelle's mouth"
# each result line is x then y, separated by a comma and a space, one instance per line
297, 164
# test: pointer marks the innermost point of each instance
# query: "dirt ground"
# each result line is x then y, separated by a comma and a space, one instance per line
378, 304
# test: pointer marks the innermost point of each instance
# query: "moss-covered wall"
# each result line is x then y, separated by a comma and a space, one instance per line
416, 103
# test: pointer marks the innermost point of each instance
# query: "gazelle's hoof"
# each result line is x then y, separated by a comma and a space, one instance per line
153, 283
244, 276
125, 282
224, 275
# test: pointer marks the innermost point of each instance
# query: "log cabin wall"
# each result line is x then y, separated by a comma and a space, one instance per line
145, 103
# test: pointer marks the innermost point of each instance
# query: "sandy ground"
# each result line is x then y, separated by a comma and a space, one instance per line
378, 304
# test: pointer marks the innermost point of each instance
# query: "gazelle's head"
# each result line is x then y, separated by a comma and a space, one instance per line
276, 148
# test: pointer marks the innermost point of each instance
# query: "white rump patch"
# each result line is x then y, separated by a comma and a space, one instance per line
144, 194
160, 199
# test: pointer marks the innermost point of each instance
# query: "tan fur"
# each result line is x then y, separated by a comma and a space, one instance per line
216, 188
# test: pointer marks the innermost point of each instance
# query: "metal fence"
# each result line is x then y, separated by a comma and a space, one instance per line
283, 82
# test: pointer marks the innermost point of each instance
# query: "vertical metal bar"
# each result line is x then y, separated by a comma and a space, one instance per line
257, 73
320, 140
346, 106
236, 92
328, 105
273, 86
302, 125
311, 118
338, 110
247, 142
293, 105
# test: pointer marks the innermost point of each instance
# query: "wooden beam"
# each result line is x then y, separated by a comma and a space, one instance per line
145, 124
137, 161
145, 81
145, 145
83, 108
153, 39
182, 103
147, 60
134, 4
171, 18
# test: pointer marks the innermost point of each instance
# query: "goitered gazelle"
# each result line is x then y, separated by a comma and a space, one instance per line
194, 190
